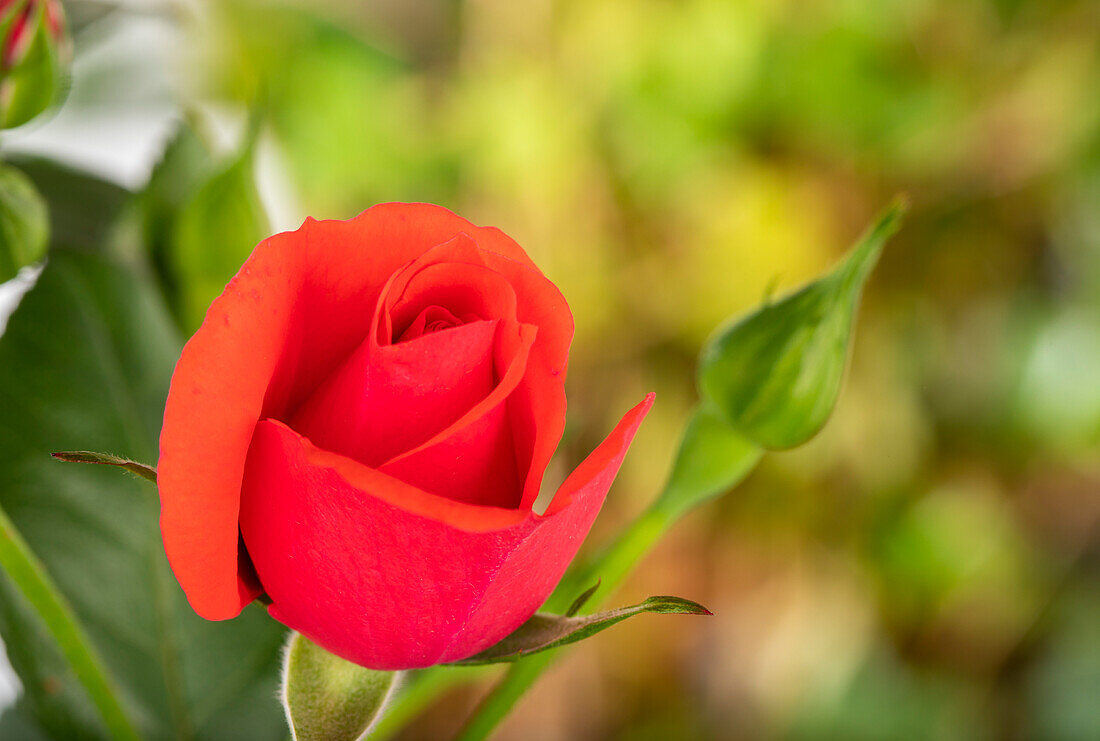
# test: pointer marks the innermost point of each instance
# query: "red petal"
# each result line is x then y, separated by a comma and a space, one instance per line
301, 303
386, 400
465, 290
474, 459
537, 408
390, 577
536, 565
55, 18
432, 319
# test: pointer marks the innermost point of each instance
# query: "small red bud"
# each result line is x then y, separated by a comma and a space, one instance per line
55, 19
19, 38
35, 52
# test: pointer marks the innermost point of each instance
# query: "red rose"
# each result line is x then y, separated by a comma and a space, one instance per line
359, 430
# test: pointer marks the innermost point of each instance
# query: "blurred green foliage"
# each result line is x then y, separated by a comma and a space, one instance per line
213, 232
24, 224
927, 567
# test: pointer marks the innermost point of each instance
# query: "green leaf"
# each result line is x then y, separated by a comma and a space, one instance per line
86, 456
215, 231
712, 459
327, 698
398, 152
775, 375
185, 165
543, 632
86, 360
15, 727
84, 210
28, 575
24, 223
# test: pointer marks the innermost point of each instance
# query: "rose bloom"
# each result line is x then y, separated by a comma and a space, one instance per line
359, 430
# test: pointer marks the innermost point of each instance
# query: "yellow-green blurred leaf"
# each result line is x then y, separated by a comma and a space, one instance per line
24, 223
215, 231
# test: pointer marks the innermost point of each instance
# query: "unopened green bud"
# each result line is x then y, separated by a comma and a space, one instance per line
774, 376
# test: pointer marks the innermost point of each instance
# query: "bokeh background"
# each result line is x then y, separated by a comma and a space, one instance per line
929, 566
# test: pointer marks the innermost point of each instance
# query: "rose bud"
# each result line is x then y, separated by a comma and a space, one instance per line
19, 33
34, 52
359, 430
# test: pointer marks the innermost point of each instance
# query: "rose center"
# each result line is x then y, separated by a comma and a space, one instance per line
431, 319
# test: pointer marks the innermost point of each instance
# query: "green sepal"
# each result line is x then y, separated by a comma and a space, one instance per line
580, 601
543, 631
327, 698
86, 456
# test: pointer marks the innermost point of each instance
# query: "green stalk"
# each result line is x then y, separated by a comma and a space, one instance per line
424, 688
30, 577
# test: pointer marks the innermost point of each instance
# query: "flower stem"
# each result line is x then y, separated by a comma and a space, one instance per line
30, 578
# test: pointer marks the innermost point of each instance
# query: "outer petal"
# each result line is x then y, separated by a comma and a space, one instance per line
299, 305
526, 571
439, 580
